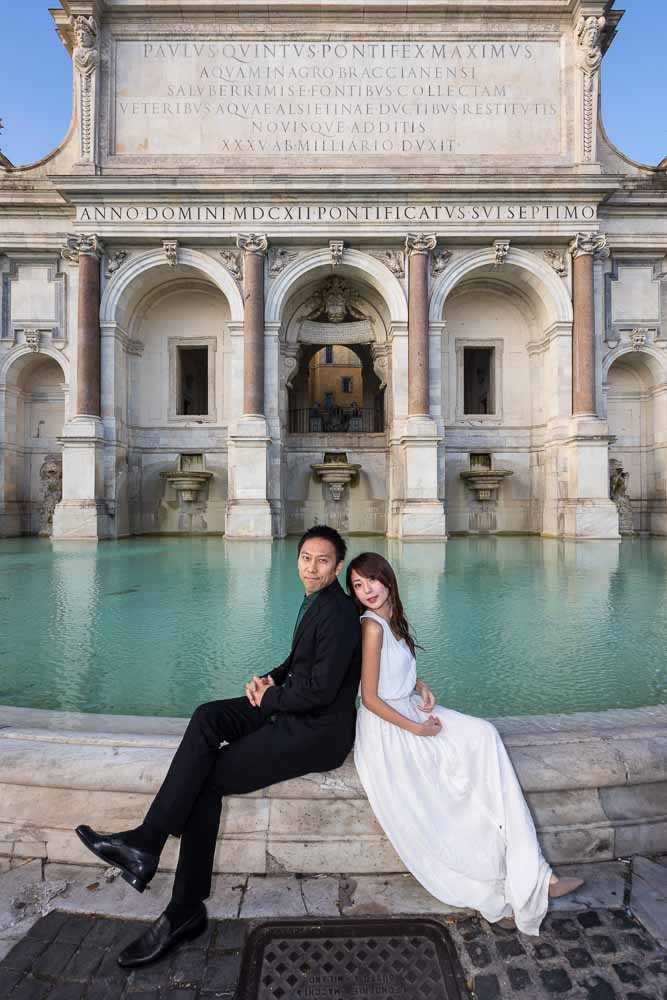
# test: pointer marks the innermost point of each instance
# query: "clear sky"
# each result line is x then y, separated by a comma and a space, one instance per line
36, 82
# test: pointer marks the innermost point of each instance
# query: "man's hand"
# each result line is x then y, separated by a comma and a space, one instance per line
255, 689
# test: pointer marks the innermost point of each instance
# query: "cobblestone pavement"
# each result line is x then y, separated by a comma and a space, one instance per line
590, 955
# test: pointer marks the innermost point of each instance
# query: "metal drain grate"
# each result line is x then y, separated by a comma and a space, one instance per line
351, 960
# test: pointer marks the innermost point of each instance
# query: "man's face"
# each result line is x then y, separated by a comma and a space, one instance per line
317, 564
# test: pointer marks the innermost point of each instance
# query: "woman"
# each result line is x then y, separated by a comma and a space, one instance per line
441, 783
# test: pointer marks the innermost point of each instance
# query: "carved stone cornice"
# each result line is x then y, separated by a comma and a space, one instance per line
589, 244
420, 243
82, 243
257, 243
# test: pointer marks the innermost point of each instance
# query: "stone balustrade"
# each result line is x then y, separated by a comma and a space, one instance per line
596, 784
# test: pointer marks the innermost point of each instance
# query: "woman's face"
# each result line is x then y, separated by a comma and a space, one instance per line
370, 592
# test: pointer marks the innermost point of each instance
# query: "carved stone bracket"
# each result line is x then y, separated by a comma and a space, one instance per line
594, 244
290, 363
589, 39
639, 337
32, 338
420, 243
252, 242
115, 261
279, 259
556, 259
501, 249
170, 248
394, 260
85, 65
380, 355
439, 261
81, 243
233, 262
336, 249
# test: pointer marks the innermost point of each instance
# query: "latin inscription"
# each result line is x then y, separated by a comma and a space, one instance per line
331, 98
409, 214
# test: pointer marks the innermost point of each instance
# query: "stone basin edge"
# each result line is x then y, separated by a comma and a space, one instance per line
596, 784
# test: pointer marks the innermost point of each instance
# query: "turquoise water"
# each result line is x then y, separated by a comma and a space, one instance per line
509, 626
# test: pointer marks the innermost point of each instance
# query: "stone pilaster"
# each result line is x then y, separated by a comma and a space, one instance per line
83, 512
420, 512
248, 508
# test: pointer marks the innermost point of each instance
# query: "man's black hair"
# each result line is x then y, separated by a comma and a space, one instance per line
330, 534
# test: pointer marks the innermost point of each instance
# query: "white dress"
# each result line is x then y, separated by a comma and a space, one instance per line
450, 804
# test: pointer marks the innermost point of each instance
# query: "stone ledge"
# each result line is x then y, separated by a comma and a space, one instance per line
596, 791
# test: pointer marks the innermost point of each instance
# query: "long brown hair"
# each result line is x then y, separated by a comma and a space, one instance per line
373, 566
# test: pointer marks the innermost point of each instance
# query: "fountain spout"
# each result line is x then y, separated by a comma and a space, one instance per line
189, 476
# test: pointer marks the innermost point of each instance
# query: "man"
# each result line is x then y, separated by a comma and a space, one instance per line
297, 719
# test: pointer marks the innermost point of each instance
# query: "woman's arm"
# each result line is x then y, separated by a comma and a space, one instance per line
371, 648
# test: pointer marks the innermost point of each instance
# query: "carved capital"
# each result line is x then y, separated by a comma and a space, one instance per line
253, 243
82, 243
589, 244
420, 243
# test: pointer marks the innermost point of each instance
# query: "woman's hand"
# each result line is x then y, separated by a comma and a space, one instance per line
428, 698
432, 727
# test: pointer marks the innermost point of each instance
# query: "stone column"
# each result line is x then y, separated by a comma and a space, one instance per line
586, 512
254, 251
418, 248
584, 248
418, 510
249, 514
83, 512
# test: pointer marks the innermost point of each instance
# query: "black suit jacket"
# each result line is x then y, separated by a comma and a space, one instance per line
320, 677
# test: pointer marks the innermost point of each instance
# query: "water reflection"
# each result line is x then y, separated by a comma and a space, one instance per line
155, 626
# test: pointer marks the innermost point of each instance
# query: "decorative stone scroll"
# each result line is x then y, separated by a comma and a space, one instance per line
589, 38
233, 262
439, 261
420, 243
290, 363
115, 261
81, 243
85, 65
252, 243
380, 355
170, 248
279, 259
501, 249
393, 259
556, 259
593, 244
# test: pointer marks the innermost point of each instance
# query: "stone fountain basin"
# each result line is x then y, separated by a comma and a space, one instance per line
187, 484
335, 472
486, 479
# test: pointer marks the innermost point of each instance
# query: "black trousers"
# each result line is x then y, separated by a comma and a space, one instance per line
257, 753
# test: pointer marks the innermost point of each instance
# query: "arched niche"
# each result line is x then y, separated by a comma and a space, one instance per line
34, 398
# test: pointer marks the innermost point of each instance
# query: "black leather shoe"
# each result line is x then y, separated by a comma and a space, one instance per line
136, 866
161, 938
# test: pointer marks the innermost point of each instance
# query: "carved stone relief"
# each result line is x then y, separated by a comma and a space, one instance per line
233, 262
336, 248
501, 249
439, 261
279, 259
170, 248
85, 64
115, 261
394, 260
557, 260
51, 480
589, 38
